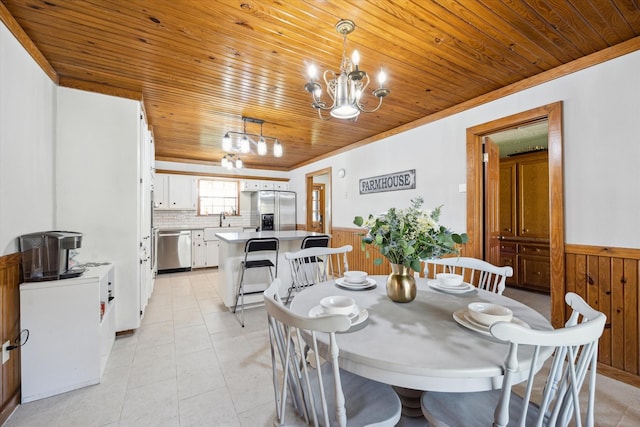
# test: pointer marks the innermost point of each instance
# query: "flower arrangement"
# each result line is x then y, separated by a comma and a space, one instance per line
405, 236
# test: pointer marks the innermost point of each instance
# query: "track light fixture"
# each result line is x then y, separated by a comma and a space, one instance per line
244, 141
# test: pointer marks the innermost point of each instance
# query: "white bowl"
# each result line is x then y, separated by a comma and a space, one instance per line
449, 280
488, 314
355, 276
337, 304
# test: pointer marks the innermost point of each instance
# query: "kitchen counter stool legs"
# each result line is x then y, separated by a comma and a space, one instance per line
261, 248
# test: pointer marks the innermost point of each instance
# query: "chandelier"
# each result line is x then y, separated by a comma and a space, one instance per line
244, 142
229, 161
347, 87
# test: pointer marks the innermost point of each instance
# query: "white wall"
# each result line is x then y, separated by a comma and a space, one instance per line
27, 137
601, 156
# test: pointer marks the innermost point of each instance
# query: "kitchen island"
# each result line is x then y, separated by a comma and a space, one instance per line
255, 280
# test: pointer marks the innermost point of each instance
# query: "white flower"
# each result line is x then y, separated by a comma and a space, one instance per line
405, 236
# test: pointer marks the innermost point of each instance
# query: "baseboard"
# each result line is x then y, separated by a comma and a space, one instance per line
619, 375
11, 404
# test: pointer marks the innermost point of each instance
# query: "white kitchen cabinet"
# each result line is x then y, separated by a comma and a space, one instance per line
176, 192
160, 191
103, 190
205, 249
198, 249
267, 185
256, 185
71, 324
182, 192
212, 250
250, 185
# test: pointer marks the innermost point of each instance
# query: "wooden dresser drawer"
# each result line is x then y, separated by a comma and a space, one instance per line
508, 247
533, 249
534, 272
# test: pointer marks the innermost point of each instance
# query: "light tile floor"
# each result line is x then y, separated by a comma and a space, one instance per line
191, 364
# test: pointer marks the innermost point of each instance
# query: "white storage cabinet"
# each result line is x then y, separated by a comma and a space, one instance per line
255, 185
71, 324
250, 185
206, 247
198, 250
103, 152
174, 192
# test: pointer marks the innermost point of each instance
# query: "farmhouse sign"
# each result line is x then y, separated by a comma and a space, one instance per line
405, 180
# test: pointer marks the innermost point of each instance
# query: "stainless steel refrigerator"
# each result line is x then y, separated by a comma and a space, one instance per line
274, 210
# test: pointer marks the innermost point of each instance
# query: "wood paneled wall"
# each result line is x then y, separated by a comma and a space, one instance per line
608, 279
358, 259
9, 330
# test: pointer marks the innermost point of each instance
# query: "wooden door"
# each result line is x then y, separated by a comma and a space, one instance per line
317, 208
533, 198
492, 201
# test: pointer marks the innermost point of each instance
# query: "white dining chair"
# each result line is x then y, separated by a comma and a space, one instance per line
480, 273
315, 265
319, 391
575, 359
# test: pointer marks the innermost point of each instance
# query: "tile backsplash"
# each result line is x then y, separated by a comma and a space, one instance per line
188, 219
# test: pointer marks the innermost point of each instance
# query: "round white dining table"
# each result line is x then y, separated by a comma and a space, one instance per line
418, 345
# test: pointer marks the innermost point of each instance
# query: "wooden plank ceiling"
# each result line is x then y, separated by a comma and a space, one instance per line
200, 66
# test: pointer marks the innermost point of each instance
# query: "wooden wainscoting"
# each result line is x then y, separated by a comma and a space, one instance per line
358, 259
9, 330
608, 278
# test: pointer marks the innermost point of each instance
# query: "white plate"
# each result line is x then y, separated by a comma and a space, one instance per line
464, 288
368, 284
357, 316
462, 317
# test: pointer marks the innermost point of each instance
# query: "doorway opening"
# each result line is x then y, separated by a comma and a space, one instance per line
318, 188
476, 220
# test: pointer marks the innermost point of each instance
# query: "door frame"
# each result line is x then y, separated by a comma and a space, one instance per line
328, 198
475, 199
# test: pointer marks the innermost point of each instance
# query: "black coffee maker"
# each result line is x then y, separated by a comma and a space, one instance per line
45, 255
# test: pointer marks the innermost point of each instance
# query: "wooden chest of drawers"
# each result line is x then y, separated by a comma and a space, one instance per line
530, 262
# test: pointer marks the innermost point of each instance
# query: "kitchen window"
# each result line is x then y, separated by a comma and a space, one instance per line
217, 196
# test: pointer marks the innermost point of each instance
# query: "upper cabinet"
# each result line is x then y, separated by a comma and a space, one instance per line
257, 185
524, 196
533, 197
174, 192
250, 185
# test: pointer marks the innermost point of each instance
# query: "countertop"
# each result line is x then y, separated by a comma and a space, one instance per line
197, 227
282, 235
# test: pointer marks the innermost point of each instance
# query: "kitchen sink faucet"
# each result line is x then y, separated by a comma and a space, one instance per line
221, 218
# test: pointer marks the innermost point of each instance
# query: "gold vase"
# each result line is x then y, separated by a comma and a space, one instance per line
401, 286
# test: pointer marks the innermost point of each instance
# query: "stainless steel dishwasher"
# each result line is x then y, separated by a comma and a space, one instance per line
174, 251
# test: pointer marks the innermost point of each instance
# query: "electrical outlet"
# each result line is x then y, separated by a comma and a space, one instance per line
5, 351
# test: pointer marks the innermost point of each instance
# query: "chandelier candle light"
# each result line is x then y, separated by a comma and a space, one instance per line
244, 144
347, 87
